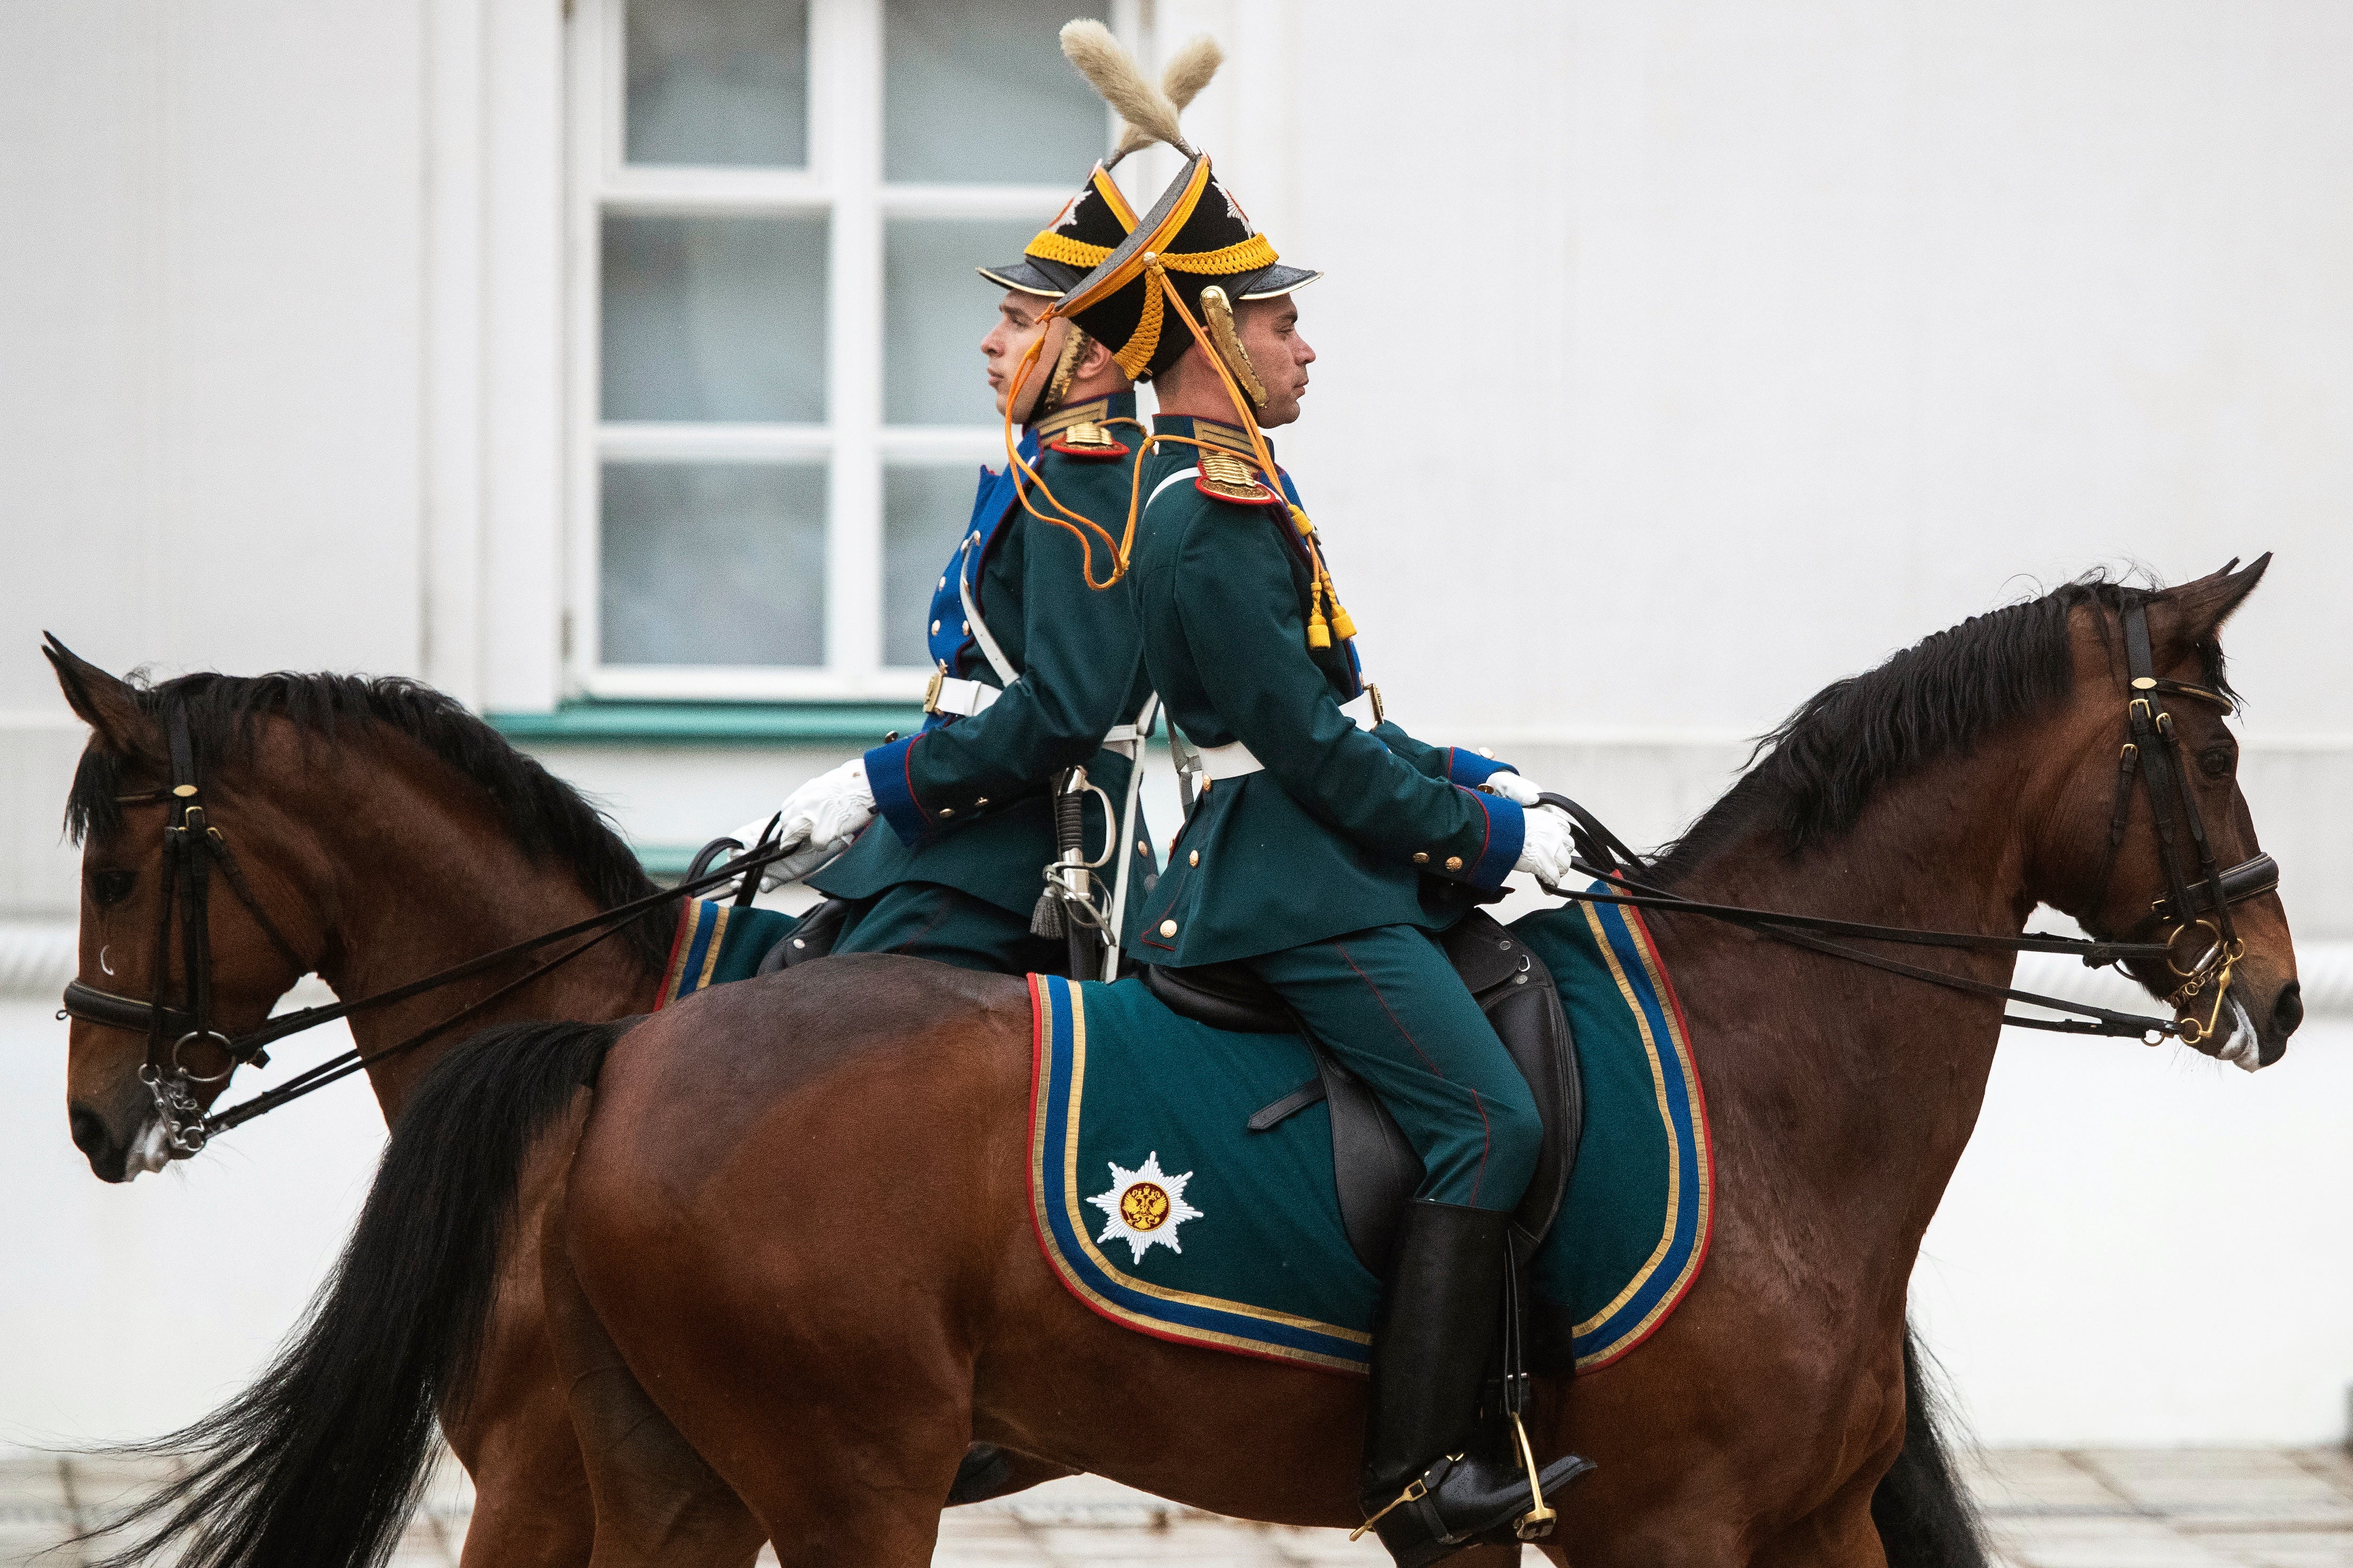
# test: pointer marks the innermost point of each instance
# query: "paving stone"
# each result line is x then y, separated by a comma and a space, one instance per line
2036, 1481
2222, 1485
2284, 1548
2085, 1541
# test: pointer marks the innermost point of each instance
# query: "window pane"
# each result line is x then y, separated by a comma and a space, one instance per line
980, 91
714, 317
718, 81
935, 310
713, 563
924, 511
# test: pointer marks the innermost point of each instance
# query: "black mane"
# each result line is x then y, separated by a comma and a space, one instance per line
546, 816
1937, 698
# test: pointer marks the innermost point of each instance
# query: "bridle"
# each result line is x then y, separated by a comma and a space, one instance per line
194, 847
2198, 896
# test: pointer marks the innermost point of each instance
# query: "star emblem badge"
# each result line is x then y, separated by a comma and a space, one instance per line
1144, 1207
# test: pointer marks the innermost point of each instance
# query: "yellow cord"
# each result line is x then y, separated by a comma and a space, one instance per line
1320, 630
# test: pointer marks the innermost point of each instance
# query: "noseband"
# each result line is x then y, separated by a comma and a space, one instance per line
2196, 907
192, 848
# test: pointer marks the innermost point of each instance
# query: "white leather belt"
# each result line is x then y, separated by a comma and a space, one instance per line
1230, 762
1235, 761
949, 694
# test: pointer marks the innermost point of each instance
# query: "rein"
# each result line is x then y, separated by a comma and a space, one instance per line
192, 848
2153, 750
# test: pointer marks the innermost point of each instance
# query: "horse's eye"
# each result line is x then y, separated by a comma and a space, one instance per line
2218, 760
111, 886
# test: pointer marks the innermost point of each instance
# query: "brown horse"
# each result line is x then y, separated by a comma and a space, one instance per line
795, 1208
387, 835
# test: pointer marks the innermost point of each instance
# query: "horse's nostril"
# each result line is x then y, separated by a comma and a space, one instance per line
89, 1130
2288, 1008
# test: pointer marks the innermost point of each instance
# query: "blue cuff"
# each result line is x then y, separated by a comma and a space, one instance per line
1507, 830
895, 790
1470, 770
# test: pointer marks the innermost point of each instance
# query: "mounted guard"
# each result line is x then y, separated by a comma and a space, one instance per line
1026, 767
1327, 849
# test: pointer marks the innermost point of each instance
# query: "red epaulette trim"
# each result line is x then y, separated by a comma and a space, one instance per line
1115, 449
1265, 497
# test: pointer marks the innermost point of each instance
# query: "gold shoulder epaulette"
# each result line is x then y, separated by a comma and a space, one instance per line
1230, 479
1079, 432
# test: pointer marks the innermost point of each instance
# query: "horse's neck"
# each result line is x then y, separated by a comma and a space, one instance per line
1836, 1088
442, 885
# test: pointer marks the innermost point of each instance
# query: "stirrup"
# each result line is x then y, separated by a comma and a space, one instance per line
1537, 1522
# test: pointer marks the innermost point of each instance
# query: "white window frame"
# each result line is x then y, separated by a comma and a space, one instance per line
844, 183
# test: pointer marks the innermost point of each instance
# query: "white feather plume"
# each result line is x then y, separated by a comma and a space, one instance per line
1098, 57
1189, 70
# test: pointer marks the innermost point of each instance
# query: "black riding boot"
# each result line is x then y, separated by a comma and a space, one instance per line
1433, 1479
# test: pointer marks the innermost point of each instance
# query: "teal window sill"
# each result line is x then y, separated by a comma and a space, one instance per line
710, 723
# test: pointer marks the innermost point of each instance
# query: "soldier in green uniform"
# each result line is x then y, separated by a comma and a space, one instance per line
1034, 673
1324, 852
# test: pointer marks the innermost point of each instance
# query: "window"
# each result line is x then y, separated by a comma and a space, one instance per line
778, 394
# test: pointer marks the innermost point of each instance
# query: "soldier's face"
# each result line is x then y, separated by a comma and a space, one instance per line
1269, 332
1017, 319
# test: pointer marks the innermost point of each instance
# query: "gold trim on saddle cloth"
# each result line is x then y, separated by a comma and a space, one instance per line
1083, 1231
1674, 1296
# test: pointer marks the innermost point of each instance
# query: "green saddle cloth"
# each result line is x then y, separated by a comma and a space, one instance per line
1158, 1208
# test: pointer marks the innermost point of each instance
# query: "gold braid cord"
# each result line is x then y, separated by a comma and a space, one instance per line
1320, 632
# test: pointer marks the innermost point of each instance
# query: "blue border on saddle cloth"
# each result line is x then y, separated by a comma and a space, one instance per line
716, 943
1244, 1249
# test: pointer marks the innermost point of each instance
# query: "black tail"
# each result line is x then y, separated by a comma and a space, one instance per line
318, 1463
1925, 1520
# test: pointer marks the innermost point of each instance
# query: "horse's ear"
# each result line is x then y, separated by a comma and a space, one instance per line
2203, 606
109, 705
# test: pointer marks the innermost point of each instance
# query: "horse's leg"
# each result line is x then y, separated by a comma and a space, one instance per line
792, 1276
1742, 1432
655, 1500
531, 1502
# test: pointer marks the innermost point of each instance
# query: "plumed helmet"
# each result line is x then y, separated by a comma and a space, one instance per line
1196, 235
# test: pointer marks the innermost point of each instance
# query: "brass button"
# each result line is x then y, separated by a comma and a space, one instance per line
1144, 848
1194, 859
1421, 856
1167, 928
947, 811
1206, 783
981, 801
1454, 862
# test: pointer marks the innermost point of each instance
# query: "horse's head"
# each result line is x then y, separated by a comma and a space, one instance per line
135, 952
2137, 788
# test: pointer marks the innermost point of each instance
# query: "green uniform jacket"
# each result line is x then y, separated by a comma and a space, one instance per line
964, 801
1345, 828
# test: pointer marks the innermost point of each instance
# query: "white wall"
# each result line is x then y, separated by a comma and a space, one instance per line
1727, 349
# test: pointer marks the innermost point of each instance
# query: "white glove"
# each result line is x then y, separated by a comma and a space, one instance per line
821, 817
1547, 848
1513, 787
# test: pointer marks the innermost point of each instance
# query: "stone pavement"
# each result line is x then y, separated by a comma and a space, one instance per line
2099, 1507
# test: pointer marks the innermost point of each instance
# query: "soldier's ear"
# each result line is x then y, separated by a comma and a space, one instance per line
1095, 360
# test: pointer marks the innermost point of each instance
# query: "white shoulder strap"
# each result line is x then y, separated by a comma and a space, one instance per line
980, 632
1184, 473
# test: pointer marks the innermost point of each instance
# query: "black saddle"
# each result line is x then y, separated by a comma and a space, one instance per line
813, 938
1374, 1167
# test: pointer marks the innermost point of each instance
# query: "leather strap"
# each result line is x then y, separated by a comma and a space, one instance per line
980, 632
1231, 761
961, 698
